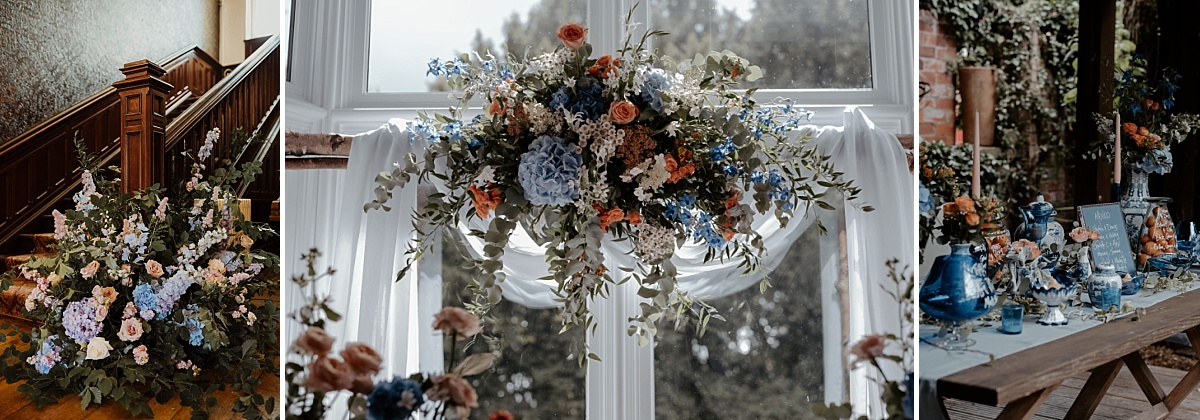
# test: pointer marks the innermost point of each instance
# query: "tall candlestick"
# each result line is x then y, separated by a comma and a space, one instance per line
975, 161
1117, 150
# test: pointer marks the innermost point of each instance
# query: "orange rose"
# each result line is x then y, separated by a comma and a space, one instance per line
500, 415
314, 341
451, 319
610, 217
328, 374
496, 108
634, 218
1129, 127
604, 60
572, 35
965, 204
623, 112
454, 389
362, 358
972, 219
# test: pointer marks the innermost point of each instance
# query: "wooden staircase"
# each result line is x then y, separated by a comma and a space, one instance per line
38, 170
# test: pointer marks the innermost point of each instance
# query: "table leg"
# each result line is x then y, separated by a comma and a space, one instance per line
1093, 391
1024, 408
1145, 379
1191, 379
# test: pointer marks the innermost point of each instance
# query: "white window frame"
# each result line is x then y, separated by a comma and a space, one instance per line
328, 93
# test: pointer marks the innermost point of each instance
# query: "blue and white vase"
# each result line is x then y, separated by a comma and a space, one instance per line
957, 290
1104, 288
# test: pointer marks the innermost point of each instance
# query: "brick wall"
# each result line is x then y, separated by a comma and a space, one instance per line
937, 107
54, 53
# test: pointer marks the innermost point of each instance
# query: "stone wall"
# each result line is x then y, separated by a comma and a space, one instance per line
54, 53
937, 106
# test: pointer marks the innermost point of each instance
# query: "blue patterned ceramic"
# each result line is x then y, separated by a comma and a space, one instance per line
1054, 297
1104, 288
957, 290
1039, 225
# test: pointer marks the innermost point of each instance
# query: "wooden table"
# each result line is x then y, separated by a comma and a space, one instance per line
1022, 381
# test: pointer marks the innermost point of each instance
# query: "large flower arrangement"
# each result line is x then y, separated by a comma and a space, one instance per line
150, 295
1148, 129
626, 146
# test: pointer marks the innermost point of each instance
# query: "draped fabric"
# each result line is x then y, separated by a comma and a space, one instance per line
369, 248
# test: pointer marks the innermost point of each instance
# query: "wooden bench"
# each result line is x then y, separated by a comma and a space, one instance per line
1022, 381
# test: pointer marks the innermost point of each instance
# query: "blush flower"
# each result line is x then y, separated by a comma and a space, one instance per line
131, 330
314, 341
154, 269
89, 270
328, 374
451, 319
1081, 234
623, 112
97, 348
454, 389
868, 348
141, 355
362, 358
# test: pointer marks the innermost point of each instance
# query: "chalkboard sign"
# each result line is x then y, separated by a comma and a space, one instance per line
1113, 246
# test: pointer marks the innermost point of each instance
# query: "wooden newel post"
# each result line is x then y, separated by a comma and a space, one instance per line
143, 125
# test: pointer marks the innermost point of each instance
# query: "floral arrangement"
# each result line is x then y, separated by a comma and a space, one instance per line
576, 149
315, 375
1073, 258
964, 220
872, 350
1148, 129
150, 295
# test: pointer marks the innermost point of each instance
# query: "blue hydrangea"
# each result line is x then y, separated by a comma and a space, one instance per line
388, 400
549, 171
47, 356
1158, 161
79, 319
656, 82
588, 101
926, 199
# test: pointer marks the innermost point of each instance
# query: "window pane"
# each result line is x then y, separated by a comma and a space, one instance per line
800, 44
764, 361
532, 377
405, 35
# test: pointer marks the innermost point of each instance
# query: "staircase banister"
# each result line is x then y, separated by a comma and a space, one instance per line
178, 127
179, 57
106, 94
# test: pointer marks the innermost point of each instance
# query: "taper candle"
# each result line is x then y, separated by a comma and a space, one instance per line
1117, 150
975, 161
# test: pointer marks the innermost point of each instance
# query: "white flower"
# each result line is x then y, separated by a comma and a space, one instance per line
673, 128
97, 349
486, 176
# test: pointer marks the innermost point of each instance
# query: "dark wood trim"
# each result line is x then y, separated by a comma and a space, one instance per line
325, 162
1095, 81
1094, 390
143, 118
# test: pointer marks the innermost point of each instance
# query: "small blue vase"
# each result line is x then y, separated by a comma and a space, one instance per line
957, 290
1104, 288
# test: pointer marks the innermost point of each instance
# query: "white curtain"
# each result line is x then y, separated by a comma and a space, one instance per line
368, 249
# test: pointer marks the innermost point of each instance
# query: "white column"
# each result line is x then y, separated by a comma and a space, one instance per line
831, 309
429, 302
621, 385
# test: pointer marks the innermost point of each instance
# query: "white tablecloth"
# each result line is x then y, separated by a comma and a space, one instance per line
936, 362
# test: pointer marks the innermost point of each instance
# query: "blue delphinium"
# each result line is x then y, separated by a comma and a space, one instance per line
723, 150
47, 356
656, 82
394, 399
435, 67
549, 171
423, 129
588, 101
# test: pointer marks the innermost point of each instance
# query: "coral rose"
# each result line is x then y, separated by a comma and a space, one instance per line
500, 415
451, 319
623, 112
634, 218
867, 348
362, 358
454, 389
314, 341
485, 200
972, 219
328, 374
572, 35
154, 269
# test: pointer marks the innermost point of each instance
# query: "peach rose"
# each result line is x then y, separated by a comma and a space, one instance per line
965, 204
1081, 234
949, 209
131, 330
314, 341
572, 35
154, 269
623, 112
90, 270
362, 384
362, 358
868, 347
328, 374
454, 389
972, 219
451, 319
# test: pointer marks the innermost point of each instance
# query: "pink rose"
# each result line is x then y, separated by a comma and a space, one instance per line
1081, 234
362, 358
464, 324
90, 270
452, 388
572, 35
154, 269
314, 341
140, 355
867, 348
328, 374
623, 112
131, 330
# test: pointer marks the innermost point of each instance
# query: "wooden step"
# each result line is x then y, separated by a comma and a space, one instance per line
12, 261
39, 242
12, 301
